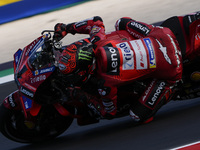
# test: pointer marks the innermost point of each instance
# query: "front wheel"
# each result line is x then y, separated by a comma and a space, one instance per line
48, 124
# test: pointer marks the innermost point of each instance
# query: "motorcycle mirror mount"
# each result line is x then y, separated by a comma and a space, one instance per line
48, 31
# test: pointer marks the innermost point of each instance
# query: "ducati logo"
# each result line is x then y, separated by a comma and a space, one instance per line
164, 51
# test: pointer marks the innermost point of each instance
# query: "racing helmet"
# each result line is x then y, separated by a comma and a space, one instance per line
77, 62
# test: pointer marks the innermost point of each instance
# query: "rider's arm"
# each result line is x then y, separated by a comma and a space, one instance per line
92, 26
135, 28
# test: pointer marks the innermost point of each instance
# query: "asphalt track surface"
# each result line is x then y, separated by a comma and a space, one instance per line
175, 124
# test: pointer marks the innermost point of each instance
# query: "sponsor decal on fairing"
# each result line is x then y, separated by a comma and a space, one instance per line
45, 70
17, 56
140, 53
11, 101
27, 102
26, 92
34, 46
152, 59
127, 54
38, 78
29, 87
113, 60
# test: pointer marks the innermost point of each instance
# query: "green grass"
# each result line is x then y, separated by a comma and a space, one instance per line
6, 72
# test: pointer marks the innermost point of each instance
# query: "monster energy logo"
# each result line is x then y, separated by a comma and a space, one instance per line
85, 55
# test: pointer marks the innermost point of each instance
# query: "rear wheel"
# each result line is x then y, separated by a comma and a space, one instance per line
48, 124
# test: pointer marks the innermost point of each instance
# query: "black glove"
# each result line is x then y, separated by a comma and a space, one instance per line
60, 31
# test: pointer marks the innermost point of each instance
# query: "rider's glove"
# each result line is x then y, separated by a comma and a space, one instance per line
60, 31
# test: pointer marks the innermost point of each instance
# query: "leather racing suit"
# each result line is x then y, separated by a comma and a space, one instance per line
154, 53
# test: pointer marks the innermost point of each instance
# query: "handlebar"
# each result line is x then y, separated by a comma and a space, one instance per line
56, 44
49, 31
52, 45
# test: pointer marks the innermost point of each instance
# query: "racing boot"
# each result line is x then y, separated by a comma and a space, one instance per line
154, 97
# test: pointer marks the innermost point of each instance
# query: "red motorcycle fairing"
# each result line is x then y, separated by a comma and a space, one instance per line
12, 101
28, 78
18, 102
62, 110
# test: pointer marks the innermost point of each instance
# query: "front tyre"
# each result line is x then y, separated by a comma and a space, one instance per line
47, 125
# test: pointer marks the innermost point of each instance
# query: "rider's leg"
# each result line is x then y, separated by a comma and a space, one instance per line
154, 97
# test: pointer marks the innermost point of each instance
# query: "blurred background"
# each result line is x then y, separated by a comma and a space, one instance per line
21, 21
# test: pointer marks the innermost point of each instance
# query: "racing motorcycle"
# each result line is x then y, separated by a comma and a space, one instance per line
42, 107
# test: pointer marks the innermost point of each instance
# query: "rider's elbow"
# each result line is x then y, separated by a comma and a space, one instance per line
97, 18
121, 23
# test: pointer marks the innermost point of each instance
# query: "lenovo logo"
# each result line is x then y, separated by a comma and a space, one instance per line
113, 60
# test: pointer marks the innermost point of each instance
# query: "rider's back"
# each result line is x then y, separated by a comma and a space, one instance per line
121, 59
